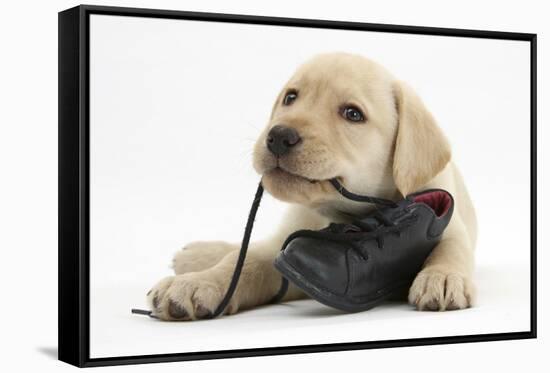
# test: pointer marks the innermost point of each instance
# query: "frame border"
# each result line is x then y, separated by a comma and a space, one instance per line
73, 192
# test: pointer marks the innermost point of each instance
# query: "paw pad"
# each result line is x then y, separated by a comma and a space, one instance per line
156, 301
452, 306
432, 305
202, 312
176, 311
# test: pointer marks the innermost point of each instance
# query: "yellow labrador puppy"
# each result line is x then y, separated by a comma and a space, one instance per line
348, 118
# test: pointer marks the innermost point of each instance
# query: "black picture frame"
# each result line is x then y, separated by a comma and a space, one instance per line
73, 335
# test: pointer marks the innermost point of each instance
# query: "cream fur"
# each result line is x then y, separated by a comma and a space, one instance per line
400, 149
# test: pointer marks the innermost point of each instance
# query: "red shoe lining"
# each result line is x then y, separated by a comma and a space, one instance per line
439, 201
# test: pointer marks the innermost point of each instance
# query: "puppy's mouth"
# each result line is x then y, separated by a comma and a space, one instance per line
279, 171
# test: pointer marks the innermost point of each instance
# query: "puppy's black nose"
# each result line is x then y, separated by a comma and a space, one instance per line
281, 139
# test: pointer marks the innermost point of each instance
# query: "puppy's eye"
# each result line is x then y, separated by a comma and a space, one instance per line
353, 114
290, 97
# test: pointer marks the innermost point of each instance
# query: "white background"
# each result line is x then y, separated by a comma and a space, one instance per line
28, 147
175, 108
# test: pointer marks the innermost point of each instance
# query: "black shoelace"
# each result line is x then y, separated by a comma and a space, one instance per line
340, 232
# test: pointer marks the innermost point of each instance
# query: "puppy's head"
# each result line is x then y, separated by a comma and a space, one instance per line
344, 116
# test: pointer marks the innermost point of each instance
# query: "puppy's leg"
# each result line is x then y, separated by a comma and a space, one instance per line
195, 295
445, 282
200, 255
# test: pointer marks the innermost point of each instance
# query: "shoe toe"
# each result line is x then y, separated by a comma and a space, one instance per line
322, 264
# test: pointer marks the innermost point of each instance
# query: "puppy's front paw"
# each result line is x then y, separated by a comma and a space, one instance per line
191, 296
437, 290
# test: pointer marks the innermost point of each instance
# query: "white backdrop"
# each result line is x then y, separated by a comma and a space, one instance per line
28, 149
175, 108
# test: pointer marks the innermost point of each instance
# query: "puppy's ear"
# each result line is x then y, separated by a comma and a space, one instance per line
421, 149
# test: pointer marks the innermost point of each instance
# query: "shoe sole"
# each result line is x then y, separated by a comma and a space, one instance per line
331, 299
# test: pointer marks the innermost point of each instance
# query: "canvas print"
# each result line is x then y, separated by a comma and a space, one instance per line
262, 186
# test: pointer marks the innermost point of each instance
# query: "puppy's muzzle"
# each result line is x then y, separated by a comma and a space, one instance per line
281, 139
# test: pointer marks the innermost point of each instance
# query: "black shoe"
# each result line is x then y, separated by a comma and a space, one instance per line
356, 266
